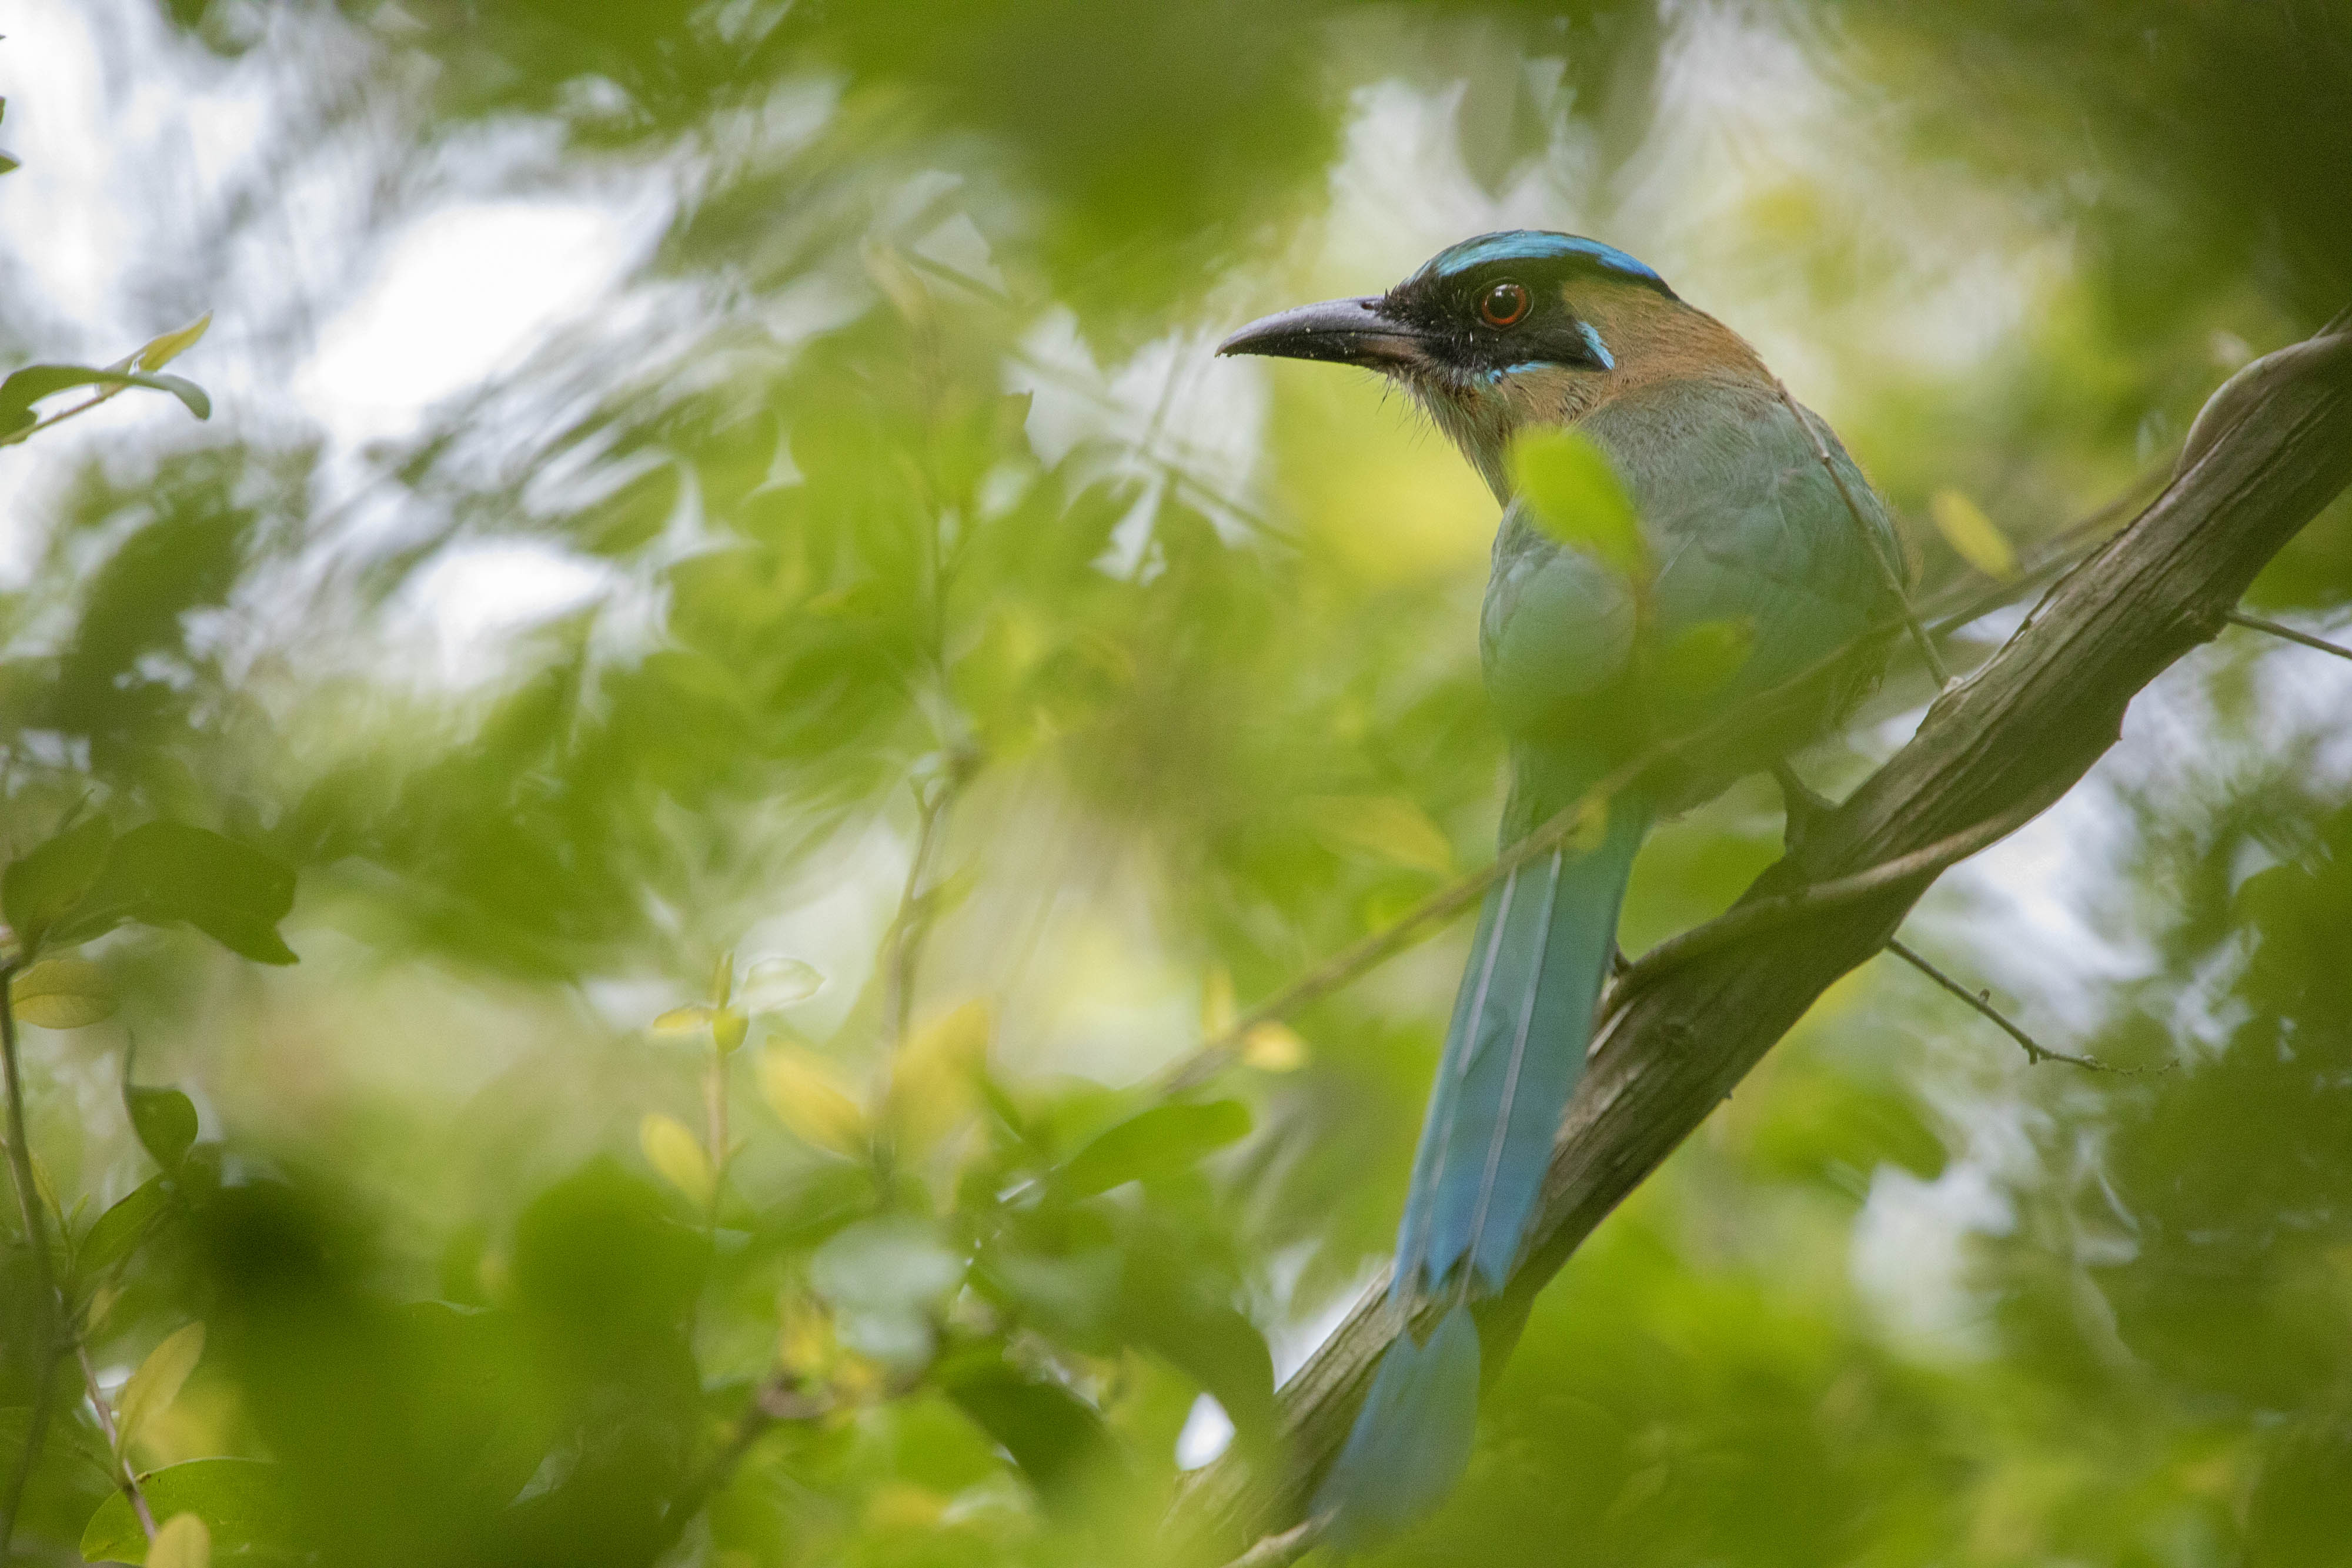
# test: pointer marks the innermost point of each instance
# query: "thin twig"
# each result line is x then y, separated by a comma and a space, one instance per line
104, 395
749, 1427
903, 942
48, 1338
714, 1111
1282, 1549
20, 1161
1886, 571
1215, 1054
1973, 596
2036, 1052
782, 1399
2256, 624
1745, 919
128, 1477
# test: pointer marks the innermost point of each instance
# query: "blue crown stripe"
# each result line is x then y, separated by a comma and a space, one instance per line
1538, 245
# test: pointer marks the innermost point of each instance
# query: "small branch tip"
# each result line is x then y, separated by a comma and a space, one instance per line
2036, 1053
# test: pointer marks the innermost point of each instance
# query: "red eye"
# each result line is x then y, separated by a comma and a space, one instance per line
1505, 305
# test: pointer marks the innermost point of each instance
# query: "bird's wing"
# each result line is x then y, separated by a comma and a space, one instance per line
1745, 526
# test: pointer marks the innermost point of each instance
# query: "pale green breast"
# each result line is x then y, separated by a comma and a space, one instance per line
1746, 526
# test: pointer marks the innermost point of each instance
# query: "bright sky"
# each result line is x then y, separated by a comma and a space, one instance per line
464, 287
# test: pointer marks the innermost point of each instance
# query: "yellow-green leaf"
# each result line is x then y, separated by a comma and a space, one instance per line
809, 1095
935, 1078
1387, 826
772, 983
1576, 497
1701, 658
1974, 537
245, 1503
47, 1188
804, 1337
684, 1020
728, 1028
722, 979
180, 1541
1273, 1047
1591, 826
163, 351
1153, 1144
1216, 1002
679, 1156
62, 993
152, 1388
957, 1038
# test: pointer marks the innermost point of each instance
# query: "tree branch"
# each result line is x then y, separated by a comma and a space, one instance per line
2256, 624
126, 1474
1994, 748
2036, 1053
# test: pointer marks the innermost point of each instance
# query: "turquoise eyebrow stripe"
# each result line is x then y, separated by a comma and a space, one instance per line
1540, 244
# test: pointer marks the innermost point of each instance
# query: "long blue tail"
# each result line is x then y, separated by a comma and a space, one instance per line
1522, 1022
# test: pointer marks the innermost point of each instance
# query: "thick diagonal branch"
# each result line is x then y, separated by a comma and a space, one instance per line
2013, 738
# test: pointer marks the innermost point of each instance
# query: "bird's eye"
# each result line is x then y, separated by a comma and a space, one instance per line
1505, 305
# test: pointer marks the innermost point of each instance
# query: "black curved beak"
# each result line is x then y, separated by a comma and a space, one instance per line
1345, 332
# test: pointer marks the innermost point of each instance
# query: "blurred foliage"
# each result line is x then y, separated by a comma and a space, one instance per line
1017, 690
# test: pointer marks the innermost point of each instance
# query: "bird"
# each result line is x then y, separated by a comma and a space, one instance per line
1751, 547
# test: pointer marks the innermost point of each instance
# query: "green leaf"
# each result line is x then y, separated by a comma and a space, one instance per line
1054, 1436
161, 351
772, 983
166, 871
118, 1230
66, 1438
1273, 1047
1576, 497
46, 1187
241, 1501
165, 1120
1159, 1142
62, 993
1216, 1346
1075, 1298
1702, 658
679, 1156
1388, 825
37, 889
888, 1279
1974, 538
28, 386
157, 1381
182, 1542
811, 1097
15, 1421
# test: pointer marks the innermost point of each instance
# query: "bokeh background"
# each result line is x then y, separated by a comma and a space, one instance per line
737, 478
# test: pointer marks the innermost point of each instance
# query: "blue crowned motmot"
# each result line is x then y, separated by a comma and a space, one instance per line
1744, 527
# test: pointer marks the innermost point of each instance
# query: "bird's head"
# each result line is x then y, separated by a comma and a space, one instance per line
1508, 330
